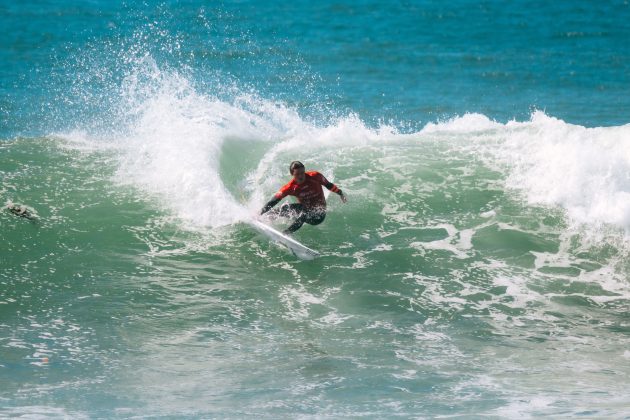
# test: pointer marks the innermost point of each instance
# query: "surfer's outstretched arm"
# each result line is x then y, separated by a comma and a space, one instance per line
333, 188
275, 200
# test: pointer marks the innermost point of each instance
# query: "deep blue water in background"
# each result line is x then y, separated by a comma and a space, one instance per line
402, 62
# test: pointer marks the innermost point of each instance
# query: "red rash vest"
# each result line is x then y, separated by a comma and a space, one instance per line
309, 193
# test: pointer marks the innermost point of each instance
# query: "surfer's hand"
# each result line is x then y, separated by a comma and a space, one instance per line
343, 198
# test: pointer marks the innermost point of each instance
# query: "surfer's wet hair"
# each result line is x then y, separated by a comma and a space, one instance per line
296, 164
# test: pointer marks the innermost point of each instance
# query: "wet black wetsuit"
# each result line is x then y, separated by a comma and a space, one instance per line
311, 216
311, 208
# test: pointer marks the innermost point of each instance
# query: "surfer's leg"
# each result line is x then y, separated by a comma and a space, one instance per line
297, 223
315, 217
312, 218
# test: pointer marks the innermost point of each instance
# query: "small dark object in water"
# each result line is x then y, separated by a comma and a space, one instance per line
20, 210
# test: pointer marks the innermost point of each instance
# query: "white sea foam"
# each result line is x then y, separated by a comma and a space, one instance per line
173, 147
170, 143
464, 124
586, 171
38, 412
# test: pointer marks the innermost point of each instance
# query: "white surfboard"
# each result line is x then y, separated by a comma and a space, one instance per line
299, 250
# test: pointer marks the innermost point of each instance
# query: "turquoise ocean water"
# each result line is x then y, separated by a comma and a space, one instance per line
479, 270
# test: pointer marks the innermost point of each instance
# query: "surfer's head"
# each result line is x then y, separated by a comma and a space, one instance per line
297, 170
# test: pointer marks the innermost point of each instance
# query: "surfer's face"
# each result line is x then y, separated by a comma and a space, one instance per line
298, 175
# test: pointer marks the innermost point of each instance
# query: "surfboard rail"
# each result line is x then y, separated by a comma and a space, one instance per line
299, 250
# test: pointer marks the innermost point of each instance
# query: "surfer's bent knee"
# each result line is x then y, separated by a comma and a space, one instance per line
316, 218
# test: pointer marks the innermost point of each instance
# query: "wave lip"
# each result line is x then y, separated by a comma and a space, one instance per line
586, 171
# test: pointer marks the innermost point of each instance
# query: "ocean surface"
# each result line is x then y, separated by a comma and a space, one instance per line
480, 269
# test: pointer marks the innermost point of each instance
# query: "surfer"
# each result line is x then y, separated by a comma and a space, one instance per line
307, 188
